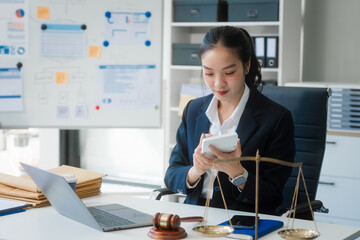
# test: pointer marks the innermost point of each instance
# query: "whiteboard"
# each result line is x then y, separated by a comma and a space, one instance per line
84, 63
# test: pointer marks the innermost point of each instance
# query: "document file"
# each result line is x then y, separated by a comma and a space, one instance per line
260, 50
271, 52
9, 206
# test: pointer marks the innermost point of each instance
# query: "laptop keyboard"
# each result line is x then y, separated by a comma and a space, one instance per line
108, 220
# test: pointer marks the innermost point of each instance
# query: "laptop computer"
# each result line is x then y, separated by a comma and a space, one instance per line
62, 197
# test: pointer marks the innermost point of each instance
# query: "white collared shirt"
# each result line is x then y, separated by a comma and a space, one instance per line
228, 126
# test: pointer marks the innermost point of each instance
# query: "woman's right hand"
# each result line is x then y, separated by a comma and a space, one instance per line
201, 164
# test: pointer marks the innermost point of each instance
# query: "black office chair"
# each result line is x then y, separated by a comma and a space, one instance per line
308, 107
309, 111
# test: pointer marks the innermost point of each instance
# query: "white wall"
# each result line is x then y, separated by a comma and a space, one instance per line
36, 146
49, 147
331, 41
125, 154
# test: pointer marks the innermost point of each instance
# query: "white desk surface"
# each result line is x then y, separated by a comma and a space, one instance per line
46, 223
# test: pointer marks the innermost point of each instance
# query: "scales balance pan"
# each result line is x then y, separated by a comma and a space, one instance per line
288, 233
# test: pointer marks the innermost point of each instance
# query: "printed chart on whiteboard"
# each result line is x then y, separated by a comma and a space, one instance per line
128, 86
11, 92
14, 27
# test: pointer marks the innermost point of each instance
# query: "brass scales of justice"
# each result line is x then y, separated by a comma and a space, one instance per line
288, 233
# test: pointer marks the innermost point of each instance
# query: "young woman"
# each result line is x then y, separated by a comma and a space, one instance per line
231, 71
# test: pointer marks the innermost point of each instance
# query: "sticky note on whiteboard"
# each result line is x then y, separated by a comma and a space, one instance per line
63, 112
61, 78
43, 12
81, 111
94, 51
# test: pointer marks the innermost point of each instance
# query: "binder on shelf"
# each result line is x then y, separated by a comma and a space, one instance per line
259, 43
271, 52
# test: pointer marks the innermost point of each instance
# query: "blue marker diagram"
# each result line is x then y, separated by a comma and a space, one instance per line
127, 28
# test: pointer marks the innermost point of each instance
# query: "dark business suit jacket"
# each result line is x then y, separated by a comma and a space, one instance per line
264, 125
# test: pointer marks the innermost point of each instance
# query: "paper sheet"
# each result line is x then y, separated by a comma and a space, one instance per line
128, 87
11, 89
9, 205
63, 40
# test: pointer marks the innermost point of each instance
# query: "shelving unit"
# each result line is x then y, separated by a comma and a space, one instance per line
288, 30
339, 178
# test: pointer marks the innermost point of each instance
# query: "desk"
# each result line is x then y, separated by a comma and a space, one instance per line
46, 223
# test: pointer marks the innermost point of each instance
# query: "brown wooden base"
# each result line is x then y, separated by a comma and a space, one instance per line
166, 234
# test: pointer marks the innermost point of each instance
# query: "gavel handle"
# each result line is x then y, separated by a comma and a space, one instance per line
192, 219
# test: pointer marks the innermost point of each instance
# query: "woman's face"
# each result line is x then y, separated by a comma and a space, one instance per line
224, 74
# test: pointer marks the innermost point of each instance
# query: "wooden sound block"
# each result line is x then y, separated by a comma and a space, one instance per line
166, 234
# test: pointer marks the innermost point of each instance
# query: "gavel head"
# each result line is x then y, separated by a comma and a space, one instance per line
165, 221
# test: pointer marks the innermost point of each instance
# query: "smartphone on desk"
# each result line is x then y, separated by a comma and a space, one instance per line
243, 221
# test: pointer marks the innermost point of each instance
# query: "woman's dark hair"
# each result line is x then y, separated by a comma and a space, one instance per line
239, 40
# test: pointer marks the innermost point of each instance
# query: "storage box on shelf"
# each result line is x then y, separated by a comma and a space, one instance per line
186, 54
253, 10
200, 10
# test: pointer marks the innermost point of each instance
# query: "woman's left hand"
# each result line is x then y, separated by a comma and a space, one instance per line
233, 168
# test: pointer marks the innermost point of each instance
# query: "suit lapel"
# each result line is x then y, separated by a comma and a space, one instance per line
202, 122
248, 123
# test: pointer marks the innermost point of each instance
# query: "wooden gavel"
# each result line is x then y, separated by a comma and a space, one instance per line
172, 222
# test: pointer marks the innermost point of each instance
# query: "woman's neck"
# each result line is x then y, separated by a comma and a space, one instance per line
225, 109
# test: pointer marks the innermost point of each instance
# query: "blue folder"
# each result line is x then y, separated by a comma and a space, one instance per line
265, 226
9, 206
11, 212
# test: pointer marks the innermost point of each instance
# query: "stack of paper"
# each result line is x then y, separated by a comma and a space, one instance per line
24, 189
